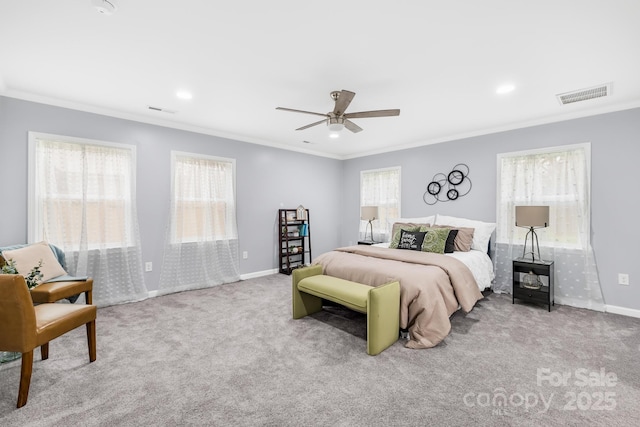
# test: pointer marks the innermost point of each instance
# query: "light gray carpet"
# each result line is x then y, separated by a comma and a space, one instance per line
232, 356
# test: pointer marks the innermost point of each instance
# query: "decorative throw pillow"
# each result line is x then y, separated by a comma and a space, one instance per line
463, 239
28, 257
427, 220
411, 240
435, 240
449, 245
397, 226
397, 232
482, 233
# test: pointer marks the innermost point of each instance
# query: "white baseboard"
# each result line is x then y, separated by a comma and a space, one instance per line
622, 310
153, 294
258, 274
577, 303
613, 309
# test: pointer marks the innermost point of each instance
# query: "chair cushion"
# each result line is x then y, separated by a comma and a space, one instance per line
53, 320
350, 294
28, 257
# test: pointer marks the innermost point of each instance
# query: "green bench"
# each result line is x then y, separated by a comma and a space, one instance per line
381, 304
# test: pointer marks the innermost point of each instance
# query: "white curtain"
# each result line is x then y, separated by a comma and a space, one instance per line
84, 202
201, 248
559, 178
381, 188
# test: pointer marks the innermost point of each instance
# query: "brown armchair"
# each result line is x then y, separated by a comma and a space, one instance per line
56, 290
25, 326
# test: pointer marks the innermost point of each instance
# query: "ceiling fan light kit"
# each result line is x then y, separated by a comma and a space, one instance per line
337, 119
335, 124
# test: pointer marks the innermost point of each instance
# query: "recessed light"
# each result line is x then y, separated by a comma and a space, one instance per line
334, 135
183, 94
506, 88
105, 7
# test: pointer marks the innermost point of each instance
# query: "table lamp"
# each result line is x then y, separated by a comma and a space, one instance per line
368, 213
532, 217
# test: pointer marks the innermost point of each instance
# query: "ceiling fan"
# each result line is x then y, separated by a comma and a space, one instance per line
337, 119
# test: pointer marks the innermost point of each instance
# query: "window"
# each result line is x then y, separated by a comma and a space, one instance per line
81, 192
558, 177
82, 199
381, 187
203, 194
201, 248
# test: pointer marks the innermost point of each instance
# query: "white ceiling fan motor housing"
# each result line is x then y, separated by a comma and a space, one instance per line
105, 7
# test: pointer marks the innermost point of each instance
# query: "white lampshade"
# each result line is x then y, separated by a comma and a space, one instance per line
532, 216
368, 213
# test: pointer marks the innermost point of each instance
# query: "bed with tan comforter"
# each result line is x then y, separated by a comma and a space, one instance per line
432, 286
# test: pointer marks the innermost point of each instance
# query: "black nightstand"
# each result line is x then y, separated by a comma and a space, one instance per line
526, 274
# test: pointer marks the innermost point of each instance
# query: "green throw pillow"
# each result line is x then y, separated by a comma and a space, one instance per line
435, 240
396, 235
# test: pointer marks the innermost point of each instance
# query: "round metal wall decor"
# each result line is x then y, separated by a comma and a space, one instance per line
434, 188
446, 187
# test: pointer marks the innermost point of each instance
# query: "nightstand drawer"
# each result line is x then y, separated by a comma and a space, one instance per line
535, 295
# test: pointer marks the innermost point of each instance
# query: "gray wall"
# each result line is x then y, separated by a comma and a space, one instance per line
266, 179
615, 149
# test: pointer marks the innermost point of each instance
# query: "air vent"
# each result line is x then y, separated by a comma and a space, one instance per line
584, 94
164, 110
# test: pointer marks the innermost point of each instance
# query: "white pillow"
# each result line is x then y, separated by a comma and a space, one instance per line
26, 258
481, 234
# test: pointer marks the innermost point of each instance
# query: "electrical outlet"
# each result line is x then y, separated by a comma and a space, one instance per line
245, 255
148, 266
623, 279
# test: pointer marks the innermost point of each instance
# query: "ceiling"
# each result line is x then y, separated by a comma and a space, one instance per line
440, 63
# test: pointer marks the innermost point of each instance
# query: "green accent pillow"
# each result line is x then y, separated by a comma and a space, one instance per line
398, 232
435, 240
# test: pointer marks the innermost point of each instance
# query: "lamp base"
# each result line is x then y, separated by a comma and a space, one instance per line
370, 224
534, 239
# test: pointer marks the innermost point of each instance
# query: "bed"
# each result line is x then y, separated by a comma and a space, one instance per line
432, 285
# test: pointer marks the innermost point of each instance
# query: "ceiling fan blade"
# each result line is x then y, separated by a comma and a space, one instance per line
376, 113
344, 99
352, 126
300, 111
312, 124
